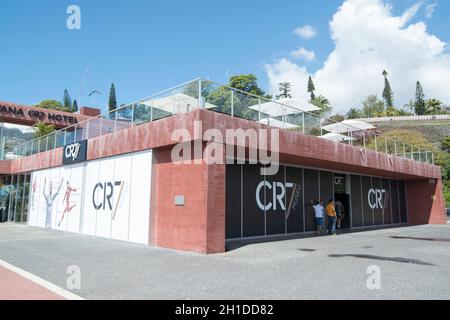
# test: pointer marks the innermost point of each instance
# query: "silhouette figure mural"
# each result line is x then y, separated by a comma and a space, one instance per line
50, 199
68, 207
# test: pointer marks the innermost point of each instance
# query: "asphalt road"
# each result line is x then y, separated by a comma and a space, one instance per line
414, 263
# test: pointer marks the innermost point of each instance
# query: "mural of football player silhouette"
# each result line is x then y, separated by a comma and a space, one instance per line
68, 207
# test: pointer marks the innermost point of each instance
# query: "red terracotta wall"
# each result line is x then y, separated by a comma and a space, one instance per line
425, 202
5, 166
199, 225
43, 160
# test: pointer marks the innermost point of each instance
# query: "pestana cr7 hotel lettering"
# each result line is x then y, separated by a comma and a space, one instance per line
38, 115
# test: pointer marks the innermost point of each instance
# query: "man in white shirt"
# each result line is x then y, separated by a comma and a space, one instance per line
319, 213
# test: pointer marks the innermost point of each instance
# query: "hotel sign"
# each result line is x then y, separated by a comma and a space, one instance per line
37, 115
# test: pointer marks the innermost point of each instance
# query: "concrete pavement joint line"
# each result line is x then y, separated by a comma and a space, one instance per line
43, 283
37, 238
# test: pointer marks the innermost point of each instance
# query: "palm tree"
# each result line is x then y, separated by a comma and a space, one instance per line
410, 105
434, 106
322, 103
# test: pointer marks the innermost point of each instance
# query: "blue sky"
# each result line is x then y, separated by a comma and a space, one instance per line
147, 46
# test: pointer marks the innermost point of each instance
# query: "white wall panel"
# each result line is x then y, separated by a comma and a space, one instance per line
89, 211
121, 212
106, 195
140, 197
107, 198
72, 217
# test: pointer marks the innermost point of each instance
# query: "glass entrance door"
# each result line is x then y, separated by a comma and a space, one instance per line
14, 192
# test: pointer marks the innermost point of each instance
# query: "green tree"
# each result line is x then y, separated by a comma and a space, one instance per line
112, 103
446, 109
336, 118
53, 105
410, 106
372, 106
285, 90
67, 101
419, 104
387, 92
124, 112
75, 106
311, 88
446, 144
221, 96
354, 113
403, 112
41, 129
322, 103
191, 89
247, 83
433, 106
391, 112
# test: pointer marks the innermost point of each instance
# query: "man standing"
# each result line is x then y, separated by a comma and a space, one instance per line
331, 213
340, 210
49, 199
319, 215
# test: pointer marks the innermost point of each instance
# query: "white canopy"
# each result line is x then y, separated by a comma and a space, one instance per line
337, 137
176, 103
348, 126
277, 123
279, 107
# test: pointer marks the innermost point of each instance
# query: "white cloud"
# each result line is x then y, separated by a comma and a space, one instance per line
368, 38
429, 10
302, 53
305, 32
410, 13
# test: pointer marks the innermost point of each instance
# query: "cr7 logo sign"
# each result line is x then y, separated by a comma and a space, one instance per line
274, 190
339, 181
72, 151
106, 196
75, 152
376, 198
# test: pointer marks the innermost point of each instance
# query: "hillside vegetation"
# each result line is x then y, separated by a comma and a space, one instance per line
427, 135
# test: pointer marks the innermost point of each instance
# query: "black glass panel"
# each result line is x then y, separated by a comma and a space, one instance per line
387, 213
357, 209
395, 202
254, 202
276, 190
379, 201
233, 201
366, 193
402, 195
311, 181
294, 200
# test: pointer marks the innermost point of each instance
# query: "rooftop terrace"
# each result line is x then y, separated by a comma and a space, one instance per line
287, 114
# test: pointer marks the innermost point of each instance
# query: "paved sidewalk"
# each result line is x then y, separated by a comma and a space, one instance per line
414, 263
15, 287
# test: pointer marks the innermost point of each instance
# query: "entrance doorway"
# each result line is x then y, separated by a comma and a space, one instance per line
343, 200
14, 191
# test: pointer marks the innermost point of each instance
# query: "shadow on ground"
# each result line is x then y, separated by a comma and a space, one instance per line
234, 244
373, 257
421, 239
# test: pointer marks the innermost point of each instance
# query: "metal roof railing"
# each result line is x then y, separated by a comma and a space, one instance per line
207, 94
